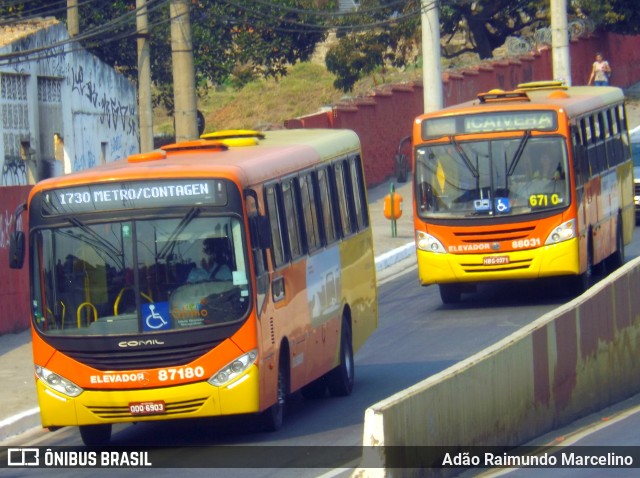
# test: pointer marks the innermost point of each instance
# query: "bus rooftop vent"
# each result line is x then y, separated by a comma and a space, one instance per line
542, 85
501, 95
150, 156
236, 137
196, 144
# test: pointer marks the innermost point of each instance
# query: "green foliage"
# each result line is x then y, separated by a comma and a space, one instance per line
392, 33
619, 16
263, 37
383, 33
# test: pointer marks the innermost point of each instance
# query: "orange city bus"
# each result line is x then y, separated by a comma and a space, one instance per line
130, 323
524, 184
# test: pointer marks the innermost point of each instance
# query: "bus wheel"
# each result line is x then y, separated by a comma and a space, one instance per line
340, 380
450, 293
616, 260
273, 417
583, 281
95, 435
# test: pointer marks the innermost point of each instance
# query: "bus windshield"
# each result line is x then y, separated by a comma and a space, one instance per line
491, 177
188, 272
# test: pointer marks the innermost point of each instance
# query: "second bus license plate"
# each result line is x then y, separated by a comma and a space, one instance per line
495, 260
147, 408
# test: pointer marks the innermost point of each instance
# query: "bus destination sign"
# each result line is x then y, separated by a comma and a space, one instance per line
133, 195
490, 123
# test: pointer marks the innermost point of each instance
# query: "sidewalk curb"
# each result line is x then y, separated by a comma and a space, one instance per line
396, 255
19, 423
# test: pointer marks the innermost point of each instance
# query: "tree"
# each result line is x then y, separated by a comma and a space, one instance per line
255, 38
618, 16
393, 33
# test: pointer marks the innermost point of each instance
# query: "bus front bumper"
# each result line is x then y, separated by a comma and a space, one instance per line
546, 261
193, 400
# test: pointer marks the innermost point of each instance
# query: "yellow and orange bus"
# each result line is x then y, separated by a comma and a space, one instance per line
524, 184
131, 323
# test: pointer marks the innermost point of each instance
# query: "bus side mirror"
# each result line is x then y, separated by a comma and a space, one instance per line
16, 250
260, 232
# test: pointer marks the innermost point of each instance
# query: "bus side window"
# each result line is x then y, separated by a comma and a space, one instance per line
358, 187
292, 218
259, 258
274, 213
310, 211
342, 182
327, 206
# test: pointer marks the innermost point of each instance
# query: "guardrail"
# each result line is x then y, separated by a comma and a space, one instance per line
576, 359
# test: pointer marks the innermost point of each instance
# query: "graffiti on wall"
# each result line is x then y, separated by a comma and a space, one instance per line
48, 43
14, 172
87, 89
6, 226
113, 113
85, 161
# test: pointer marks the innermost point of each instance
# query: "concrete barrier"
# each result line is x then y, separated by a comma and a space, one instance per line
570, 362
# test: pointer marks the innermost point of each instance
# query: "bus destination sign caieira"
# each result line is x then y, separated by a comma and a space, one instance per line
490, 123
133, 195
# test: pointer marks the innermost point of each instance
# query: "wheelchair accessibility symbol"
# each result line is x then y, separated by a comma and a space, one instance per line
156, 316
502, 205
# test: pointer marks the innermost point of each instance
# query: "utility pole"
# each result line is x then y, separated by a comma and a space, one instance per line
73, 20
184, 91
145, 113
560, 42
431, 64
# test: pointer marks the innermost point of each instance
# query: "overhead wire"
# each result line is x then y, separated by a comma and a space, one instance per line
95, 33
36, 11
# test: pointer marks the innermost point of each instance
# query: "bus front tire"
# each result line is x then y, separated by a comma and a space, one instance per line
341, 379
616, 260
272, 418
95, 435
582, 282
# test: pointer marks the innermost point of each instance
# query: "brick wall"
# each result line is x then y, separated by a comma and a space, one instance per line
384, 117
14, 284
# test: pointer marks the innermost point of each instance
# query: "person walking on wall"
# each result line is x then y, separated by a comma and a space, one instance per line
600, 72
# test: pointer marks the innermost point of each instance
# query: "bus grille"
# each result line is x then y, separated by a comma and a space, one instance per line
137, 359
497, 236
171, 408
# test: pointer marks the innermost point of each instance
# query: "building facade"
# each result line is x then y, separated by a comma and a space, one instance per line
62, 109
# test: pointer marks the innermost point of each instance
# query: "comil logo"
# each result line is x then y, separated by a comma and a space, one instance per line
23, 457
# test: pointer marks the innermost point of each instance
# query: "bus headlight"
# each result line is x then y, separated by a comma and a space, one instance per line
563, 232
233, 369
426, 242
58, 383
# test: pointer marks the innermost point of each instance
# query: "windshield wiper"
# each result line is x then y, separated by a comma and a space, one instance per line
464, 157
519, 151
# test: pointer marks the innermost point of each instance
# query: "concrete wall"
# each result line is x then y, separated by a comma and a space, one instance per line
385, 117
70, 92
91, 107
572, 361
